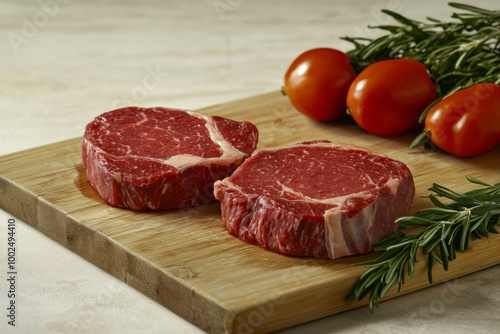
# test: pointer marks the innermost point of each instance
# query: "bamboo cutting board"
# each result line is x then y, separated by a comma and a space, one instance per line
185, 259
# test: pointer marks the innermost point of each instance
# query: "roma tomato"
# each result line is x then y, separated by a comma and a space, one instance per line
317, 82
467, 122
388, 97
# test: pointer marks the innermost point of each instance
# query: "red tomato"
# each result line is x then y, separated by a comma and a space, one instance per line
467, 122
317, 83
388, 97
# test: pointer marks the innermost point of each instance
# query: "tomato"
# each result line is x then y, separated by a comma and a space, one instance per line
388, 97
317, 82
467, 122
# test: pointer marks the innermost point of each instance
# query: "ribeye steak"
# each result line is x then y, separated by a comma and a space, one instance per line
316, 199
160, 158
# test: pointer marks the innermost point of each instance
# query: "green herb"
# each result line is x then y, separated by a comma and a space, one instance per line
457, 54
445, 228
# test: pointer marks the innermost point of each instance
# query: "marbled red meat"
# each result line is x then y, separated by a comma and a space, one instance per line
160, 158
317, 199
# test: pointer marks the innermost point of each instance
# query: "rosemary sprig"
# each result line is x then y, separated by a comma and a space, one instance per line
443, 229
457, 54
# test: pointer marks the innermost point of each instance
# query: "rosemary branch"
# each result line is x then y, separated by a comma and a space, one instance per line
457, 53
447, 227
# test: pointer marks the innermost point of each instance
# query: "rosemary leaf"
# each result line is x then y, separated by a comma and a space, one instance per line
444, 254
476, 181
437, 202
430, 264
428, 235
412, 259
464, 240
470, 8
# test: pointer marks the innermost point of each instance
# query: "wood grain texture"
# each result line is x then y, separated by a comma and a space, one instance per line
185, 260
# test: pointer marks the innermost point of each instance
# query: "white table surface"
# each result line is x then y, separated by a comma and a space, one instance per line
63, 62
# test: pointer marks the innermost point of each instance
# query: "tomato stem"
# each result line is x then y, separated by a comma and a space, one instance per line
283, 91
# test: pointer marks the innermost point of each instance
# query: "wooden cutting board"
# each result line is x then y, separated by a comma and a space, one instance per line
186, 261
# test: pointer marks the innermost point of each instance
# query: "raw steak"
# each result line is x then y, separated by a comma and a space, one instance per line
161, 159
317, 199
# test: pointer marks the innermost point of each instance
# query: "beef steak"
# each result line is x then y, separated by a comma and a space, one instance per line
159, 158
318, 199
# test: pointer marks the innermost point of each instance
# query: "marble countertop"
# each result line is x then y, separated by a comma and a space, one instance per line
65, 61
